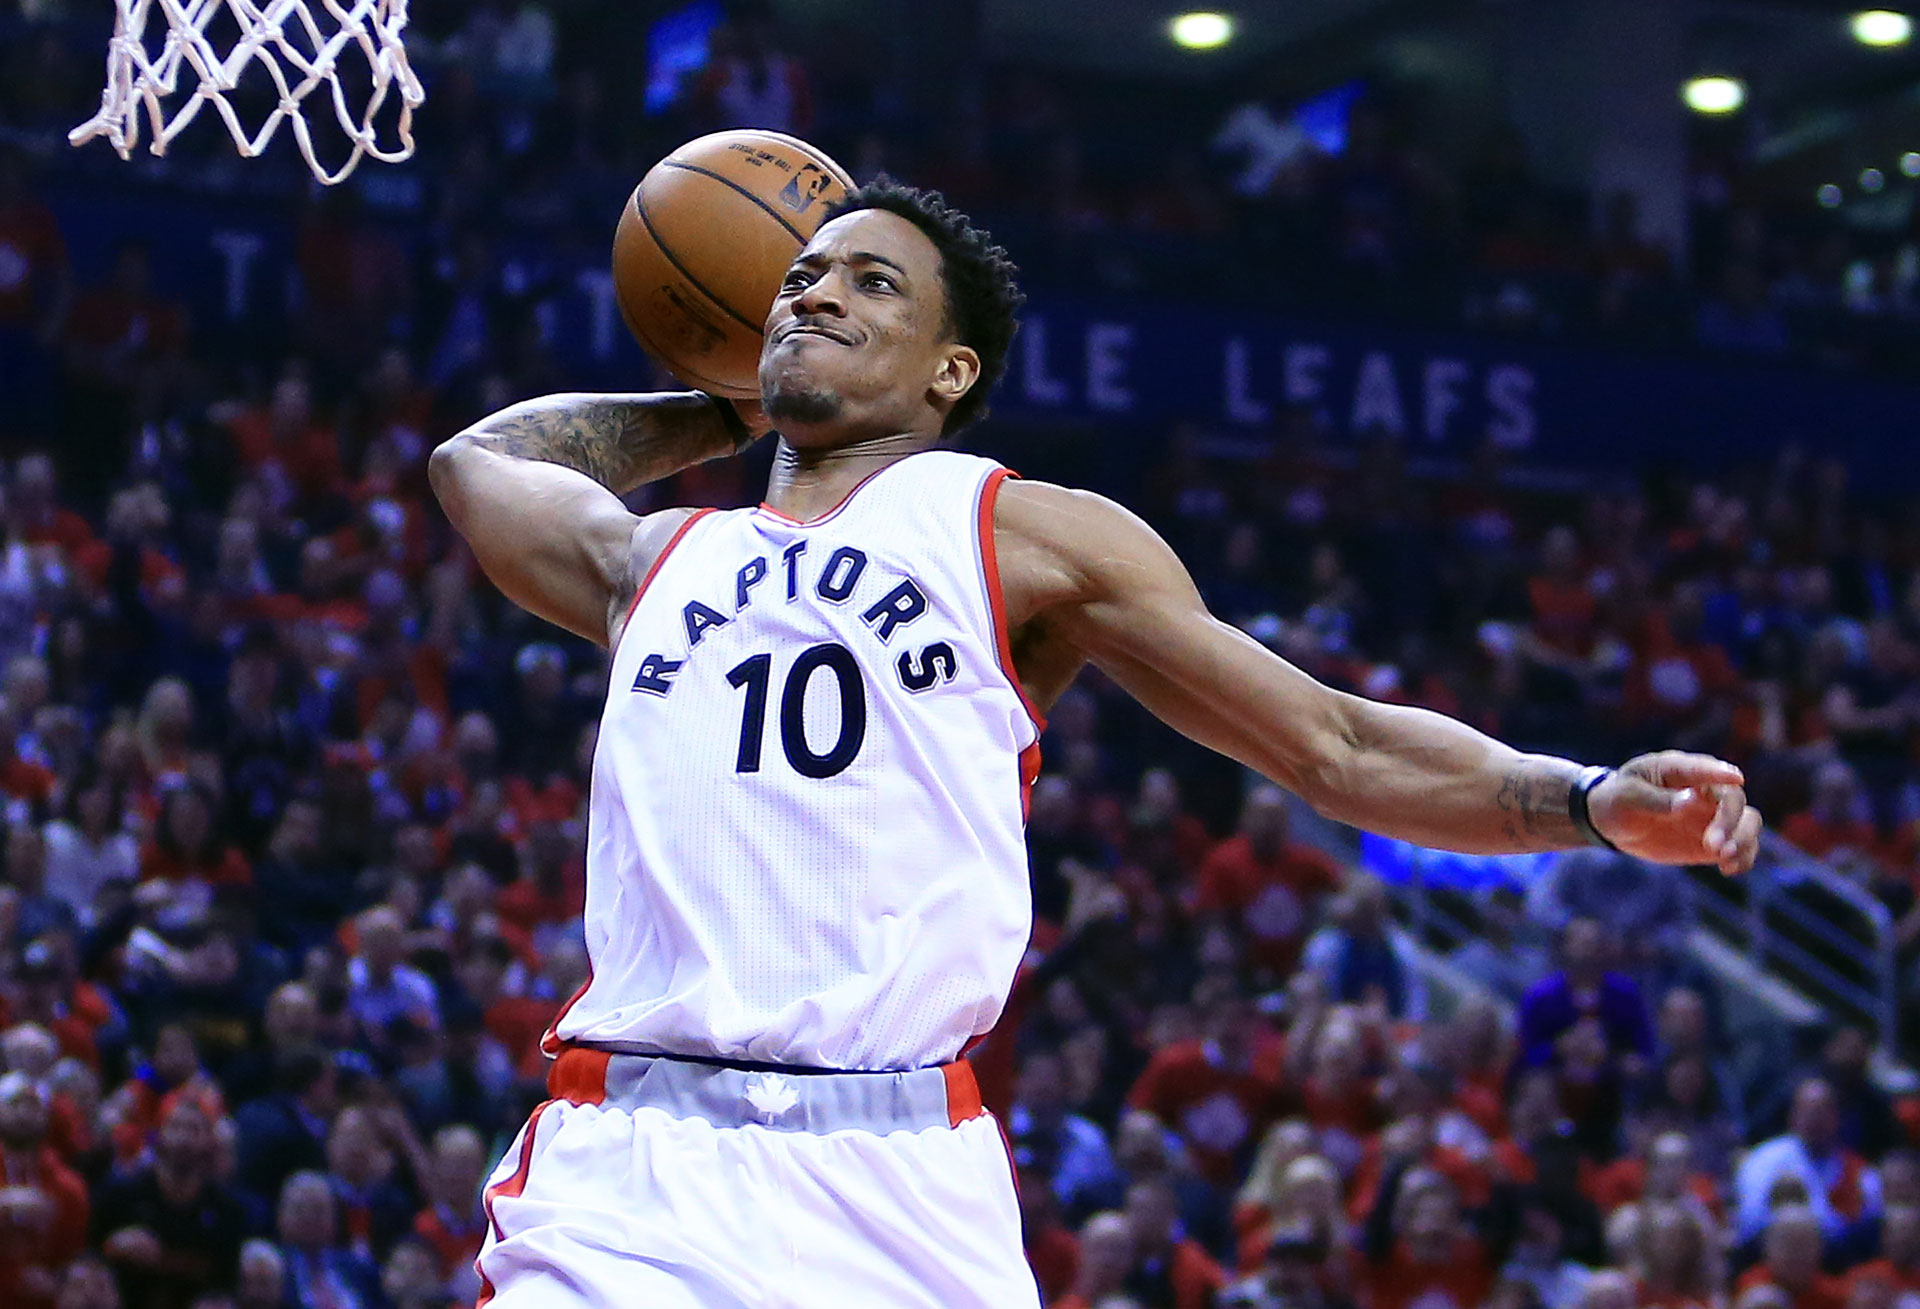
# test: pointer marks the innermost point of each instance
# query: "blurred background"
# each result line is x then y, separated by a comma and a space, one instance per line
1552, 363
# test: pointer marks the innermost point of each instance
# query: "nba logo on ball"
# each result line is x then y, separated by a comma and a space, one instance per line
805, 187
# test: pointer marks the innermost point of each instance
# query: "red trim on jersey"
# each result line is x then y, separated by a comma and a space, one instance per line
579, 1075
661, 558
996, 598
845, 500
963, 1093
511, 1187
550, 1043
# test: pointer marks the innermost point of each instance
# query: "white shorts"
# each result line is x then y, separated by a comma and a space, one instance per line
658, 1184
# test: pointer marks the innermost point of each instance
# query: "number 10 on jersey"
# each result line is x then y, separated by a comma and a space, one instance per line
754, 676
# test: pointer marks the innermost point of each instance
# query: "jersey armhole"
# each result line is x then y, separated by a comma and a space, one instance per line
996, 598
653, 571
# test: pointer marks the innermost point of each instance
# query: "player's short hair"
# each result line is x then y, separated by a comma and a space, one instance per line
983, 297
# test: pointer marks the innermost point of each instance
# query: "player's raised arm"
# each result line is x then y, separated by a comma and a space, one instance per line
1085, 578
536, 489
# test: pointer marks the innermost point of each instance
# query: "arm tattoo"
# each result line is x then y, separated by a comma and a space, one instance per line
1533, 804
621, 441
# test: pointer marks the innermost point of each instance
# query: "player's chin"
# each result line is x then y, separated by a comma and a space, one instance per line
796, 403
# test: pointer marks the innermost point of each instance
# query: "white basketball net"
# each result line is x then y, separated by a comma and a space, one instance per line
299, 63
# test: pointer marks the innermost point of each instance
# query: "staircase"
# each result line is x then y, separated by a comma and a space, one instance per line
1795, 946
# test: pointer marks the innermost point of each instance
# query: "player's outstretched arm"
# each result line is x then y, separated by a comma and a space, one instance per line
1086, 579
536, 489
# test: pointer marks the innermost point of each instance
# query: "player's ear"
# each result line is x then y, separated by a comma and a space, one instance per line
958, 370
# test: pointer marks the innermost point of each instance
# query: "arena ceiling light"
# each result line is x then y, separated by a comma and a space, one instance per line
1201, 30
1714, 95
1910, 163
1882, 27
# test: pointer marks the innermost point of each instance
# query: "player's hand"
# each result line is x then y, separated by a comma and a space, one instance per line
1679, 808
754, 416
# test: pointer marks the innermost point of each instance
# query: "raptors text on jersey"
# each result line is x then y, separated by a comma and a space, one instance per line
806, 828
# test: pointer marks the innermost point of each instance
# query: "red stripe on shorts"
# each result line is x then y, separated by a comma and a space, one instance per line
512, 1186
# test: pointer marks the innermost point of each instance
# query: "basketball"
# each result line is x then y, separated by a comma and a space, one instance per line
703, 243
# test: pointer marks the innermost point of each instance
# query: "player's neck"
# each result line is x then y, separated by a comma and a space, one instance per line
806, 483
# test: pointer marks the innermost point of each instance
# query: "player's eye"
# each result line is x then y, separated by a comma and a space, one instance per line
794, 280
878, 281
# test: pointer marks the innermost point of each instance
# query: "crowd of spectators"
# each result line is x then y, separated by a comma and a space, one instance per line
539, 118
293, 880
292, 809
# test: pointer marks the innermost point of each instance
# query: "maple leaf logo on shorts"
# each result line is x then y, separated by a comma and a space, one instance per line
771, 1094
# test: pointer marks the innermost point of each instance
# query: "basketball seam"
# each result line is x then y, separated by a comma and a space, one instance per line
771, 212
640, 207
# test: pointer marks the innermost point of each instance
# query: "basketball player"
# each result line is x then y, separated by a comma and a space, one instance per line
806, 881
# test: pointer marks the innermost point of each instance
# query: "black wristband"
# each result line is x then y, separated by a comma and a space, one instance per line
730, 418
1577, 806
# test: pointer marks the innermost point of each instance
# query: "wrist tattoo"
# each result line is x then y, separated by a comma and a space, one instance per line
1533, 802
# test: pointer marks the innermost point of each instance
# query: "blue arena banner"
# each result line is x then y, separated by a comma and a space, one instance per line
1137, 366
1446, 394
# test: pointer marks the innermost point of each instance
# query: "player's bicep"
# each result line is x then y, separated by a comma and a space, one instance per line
556, 542
1136, 613
1216, 685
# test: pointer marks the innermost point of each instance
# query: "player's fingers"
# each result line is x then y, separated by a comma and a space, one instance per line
1630, 793
1744, 848
1679, 769
1729, 803
1692, 808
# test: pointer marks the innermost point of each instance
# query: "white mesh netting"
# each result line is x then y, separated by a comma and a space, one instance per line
282, 38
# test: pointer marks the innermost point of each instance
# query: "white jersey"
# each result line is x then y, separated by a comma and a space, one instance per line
806, 829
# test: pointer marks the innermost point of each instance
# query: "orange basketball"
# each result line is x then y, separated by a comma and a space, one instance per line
703, 243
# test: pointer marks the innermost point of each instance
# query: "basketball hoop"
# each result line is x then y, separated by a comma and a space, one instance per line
300, 59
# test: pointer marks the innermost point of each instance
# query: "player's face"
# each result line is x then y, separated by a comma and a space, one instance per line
857, 342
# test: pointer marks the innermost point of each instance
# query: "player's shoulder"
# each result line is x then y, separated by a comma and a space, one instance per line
1058, 544
1072, 524
653, 537
655, 534
1049, 509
